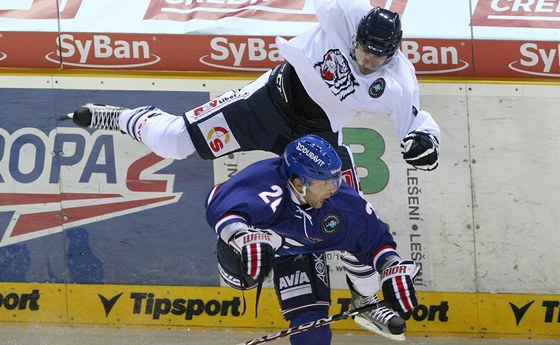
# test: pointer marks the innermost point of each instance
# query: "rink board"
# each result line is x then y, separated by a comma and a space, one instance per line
94, 213
459, 314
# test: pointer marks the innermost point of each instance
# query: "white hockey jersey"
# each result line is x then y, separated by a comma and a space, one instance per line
321, 57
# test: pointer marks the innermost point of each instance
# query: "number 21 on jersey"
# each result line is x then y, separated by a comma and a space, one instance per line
272, 198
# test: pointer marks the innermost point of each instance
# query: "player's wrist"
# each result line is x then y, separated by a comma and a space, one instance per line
389, 261
230, 231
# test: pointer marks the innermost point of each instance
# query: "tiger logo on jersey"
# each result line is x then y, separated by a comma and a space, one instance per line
336, 73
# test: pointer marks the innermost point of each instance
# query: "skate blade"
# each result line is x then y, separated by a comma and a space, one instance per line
365, 324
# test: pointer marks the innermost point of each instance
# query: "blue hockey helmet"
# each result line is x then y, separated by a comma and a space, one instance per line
379, 32
312, 158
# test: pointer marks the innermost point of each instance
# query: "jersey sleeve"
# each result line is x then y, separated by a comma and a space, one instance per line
340, 18
404, 98
425, 123
372, 241
228, 204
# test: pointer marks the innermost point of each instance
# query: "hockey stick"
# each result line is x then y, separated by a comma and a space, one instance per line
313, 324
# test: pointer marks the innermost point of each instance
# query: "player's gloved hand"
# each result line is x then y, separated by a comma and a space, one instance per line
421, 150
257, 252
397, 281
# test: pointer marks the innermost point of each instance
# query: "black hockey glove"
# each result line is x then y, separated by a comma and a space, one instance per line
421, 150
257, 253
397, 282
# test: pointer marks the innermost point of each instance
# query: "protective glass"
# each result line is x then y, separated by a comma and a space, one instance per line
321, 187
367, 60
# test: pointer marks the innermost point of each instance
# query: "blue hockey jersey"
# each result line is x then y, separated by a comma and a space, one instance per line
260, 197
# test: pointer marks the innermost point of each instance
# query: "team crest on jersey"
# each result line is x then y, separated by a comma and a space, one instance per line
376, 89
330, 223
336, 73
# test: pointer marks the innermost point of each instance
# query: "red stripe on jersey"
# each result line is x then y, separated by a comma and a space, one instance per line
212, 193
380, 252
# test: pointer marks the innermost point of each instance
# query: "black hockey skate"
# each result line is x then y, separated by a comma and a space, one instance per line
98, 116
382, 320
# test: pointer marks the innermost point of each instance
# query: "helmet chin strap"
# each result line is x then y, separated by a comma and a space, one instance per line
301, 195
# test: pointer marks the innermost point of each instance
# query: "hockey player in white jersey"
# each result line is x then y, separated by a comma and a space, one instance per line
348, 65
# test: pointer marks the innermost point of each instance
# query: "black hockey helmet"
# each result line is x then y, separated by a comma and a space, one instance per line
379, 32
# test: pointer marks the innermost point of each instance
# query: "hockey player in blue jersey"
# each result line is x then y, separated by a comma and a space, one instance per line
283, 214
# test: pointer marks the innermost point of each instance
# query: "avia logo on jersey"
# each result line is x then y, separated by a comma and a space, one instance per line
55, 182
540, 59
148, 304
517, 13
39, 9
294, 285
102, 51
272, 10
237, 53
438, 56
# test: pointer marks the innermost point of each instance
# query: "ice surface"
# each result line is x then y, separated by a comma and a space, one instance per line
100, 336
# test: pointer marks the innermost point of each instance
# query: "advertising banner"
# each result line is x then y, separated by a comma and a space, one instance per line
169, 306
78, 206
33, 303
517, 58
520, 314
225, 36
517, 14
179, 307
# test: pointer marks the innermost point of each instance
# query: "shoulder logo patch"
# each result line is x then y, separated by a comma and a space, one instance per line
377, 88
330, 223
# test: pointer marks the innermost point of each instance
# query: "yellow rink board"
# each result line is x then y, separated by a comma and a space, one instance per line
33, 303
438, 313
